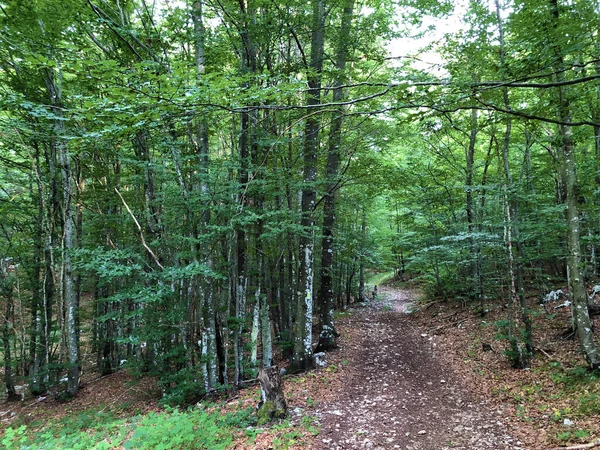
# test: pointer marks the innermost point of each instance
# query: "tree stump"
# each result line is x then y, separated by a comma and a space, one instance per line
272, 405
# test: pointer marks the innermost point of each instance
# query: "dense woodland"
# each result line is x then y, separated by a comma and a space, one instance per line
191, 189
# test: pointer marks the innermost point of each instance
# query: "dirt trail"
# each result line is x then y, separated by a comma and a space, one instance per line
397, 394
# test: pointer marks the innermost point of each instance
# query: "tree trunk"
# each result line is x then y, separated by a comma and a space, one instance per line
201, 144
569, 180
254, 332
53, 82
476, 290
272, 405
513, 241
6, 293
361, 259
326, 295
265, 327
302, 358
41, 284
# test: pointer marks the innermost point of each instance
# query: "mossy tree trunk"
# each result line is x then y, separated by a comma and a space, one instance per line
272, 405
568, 175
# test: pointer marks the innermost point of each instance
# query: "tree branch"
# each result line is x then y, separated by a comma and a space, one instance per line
596, 443
137, 224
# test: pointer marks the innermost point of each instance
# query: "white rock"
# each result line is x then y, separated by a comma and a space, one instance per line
320, 359
568, 423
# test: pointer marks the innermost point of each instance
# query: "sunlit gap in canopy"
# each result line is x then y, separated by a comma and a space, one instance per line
419, 44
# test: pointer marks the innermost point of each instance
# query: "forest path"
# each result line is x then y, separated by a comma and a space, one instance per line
396, 394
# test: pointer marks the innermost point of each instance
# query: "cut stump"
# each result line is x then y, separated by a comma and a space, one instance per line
272, 405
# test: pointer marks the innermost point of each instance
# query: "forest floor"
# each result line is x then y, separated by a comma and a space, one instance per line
437, 378
406, 375
398, 392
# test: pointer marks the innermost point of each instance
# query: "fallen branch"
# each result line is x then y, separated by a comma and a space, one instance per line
38, 400
596, 443
545, 354
101, 377
447, 325
426, 306
449, 316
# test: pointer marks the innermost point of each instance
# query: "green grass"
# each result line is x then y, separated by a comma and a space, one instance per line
380, 278
172, 429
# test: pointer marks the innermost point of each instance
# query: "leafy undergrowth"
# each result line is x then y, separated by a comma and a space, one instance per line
170, 429
555, 402
223, 425
378, 279
121, 412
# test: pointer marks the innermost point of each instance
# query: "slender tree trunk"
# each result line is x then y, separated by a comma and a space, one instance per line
52, 221
351, 271
70, 297
201, 137
6, 293
79, 189
262, 299
569, 177
40, 288
254, 331
514, 246
303, 353
266, 337
326, 294
248, 66
470, 208
361, 258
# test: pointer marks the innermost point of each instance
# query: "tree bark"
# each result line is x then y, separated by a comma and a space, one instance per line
273, 404
43, 286
513, 242
248, 65
6, 292
470, 208
202, 148
568, 174
302, 358
328, 333
53, 83
361, 258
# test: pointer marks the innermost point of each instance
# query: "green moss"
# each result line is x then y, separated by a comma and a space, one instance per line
267, 412
264, 413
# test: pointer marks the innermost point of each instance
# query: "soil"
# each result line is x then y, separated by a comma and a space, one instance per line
397, 393
119, 394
